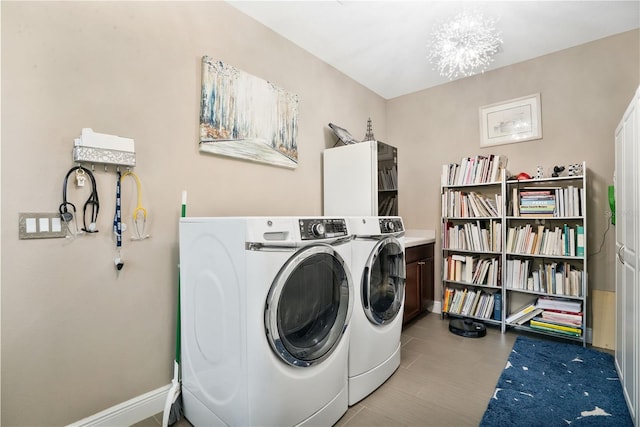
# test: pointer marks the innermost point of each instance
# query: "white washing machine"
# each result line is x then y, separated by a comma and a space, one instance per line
265, 307
379, 272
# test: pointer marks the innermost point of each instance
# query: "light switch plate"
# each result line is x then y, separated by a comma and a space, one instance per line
41, 225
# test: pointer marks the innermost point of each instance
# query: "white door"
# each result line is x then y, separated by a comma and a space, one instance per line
627, 138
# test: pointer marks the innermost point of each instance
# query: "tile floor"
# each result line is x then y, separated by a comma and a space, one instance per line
443, 380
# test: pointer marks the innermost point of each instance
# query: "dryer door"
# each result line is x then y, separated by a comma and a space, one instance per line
309, 306
383, 281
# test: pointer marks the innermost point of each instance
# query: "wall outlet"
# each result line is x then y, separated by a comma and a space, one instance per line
41, 226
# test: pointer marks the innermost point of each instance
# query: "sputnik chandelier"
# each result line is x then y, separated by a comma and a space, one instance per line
465, 45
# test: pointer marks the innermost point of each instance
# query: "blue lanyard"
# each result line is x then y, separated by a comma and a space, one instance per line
117, 219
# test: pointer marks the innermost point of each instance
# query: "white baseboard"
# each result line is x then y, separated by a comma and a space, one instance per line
437, 307
130, 412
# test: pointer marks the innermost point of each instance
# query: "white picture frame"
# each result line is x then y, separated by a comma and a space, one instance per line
515, 120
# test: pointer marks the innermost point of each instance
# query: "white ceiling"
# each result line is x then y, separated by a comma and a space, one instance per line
383, 44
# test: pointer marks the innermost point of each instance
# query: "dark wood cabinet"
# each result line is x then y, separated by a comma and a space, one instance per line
412, 300
419, 282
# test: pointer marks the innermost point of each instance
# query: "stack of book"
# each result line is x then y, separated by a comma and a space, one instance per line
550, 315
537, 203
559, 316
548, 202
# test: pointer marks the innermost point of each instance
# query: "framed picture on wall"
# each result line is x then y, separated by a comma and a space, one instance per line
246, 117
515, 120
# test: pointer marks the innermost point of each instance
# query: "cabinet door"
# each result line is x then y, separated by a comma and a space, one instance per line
426, 283
412, 292
627, 230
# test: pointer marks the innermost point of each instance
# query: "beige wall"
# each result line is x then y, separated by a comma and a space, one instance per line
584, 91
77, 337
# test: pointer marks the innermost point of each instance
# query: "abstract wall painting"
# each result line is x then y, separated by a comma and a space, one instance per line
246, 117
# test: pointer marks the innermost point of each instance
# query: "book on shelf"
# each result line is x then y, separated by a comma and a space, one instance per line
536, 201
474, 170
490, 304
560, 305
468, 302
387, 179
461, 204
518, 274
541, 323
446, 300
560, 279
528, 316
522, 311
562, 241
556, 331
474, 236
580, 240
567, 318
497, 307
560, 198
487, 272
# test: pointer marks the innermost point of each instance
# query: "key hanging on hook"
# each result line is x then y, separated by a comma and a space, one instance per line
81, 178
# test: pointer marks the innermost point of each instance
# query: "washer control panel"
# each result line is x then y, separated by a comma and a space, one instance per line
390, 225
322, 228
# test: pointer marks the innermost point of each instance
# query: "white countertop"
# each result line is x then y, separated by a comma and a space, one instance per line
418, 237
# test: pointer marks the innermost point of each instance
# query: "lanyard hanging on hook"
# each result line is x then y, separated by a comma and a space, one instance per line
117, 223
139, 213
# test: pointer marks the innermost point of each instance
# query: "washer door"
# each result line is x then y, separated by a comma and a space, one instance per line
383, 281
309, 306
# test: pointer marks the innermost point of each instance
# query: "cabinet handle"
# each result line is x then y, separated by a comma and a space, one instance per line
620, 258
421, 263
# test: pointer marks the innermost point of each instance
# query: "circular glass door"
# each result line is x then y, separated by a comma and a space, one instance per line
383, 281
309, 306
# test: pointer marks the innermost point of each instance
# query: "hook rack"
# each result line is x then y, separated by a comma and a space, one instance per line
103, 156
93, 147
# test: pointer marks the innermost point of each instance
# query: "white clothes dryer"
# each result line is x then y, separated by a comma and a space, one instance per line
265, 307
379, 271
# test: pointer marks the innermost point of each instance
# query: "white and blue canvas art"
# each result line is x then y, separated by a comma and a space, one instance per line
247, 117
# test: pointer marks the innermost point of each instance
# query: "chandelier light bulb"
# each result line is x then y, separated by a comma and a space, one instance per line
465, 45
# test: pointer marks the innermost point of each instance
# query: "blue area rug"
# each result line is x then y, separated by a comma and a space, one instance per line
550, 383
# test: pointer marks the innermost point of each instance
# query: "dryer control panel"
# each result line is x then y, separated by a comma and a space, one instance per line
390, 225
322, 228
